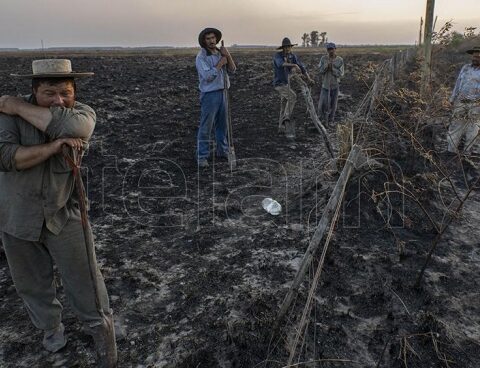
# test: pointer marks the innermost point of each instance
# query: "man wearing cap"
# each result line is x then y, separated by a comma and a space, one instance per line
40, 221
212, 64
466, 105
285, 62
331, 69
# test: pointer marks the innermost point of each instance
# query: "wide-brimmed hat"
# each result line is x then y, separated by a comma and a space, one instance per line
285, 43
473, 49
201, 36
53, 68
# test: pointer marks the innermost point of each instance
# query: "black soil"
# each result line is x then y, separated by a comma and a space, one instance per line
196, 270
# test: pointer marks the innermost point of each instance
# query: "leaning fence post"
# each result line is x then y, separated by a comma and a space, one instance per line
333, 202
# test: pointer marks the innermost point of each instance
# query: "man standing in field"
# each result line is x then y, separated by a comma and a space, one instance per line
331, 69
285, 62
212, 65
466, 105
40, 220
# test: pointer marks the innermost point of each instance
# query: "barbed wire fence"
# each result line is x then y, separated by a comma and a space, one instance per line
364, 141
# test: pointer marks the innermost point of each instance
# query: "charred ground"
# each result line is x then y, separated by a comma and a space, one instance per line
196, 270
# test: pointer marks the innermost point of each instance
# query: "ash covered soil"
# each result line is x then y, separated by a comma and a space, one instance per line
196, 270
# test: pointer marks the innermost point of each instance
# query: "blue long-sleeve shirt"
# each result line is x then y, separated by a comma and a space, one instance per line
210, 79
467, 87
281, 72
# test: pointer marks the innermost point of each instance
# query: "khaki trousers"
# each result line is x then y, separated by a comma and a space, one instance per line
465, 122
31, 267
291, 97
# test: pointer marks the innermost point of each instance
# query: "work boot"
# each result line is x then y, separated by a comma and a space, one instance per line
54, 340
103, 335
222, 156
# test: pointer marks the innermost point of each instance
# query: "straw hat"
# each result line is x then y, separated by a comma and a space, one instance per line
52, 68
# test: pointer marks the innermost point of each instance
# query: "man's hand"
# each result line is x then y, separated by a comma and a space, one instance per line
223, 61
27, 157
75, 143
9, 104
224, 52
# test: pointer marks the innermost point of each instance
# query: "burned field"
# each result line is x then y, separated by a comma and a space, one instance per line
197, 270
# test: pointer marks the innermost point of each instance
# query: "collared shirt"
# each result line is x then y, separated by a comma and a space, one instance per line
467, 87
44, 193
331, 78
210, 78
281, 72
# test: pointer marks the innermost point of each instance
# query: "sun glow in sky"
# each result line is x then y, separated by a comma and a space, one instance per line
58, 23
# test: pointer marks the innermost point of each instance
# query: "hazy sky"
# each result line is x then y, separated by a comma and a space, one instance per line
24, 23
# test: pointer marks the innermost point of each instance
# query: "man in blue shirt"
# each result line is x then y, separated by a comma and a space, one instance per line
466, 105
212, 64
285, 63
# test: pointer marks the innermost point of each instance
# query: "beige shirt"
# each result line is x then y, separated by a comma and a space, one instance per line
43, 193
331, 77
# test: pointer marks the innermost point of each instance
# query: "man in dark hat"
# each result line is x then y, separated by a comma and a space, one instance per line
285, 62
331, 69
212, 64
466, 105
40, 220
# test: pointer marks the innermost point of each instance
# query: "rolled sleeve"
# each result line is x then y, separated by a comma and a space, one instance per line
205, 71
76, 122
9, 143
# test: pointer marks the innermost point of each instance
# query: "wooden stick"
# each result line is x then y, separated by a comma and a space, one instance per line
427, 44
420, 32
232, 158
313, 114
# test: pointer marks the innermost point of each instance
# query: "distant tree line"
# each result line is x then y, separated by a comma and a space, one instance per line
445, 36
314, 39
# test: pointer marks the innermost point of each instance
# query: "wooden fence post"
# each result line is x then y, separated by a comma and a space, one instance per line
333, 202
427, 63
420, 32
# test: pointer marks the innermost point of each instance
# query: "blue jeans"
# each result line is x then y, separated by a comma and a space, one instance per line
326, 111
213, 115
